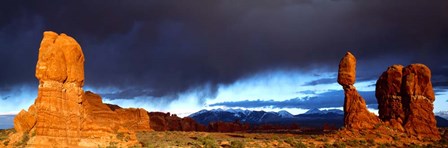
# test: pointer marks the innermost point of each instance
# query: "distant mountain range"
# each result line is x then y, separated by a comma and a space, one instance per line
311, 118
6, 121
443, 114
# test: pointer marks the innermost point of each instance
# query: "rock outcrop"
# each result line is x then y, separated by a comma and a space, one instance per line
388, 94
62, 113
167, 122
356, 115
228, 126
405, 100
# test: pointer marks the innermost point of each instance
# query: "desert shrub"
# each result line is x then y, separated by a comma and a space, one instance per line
323, 139
6, 142
382, 145
295, 143
112, 145
353, 143
339, 145
377, 126
362, 142
414, 146
371, 141
378, 134
4, 134
120, 136
395, 137
208, 142
328, 145
276, 138
24, 140
237, 144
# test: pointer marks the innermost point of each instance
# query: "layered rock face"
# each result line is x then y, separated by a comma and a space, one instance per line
62, 113
405, 100
356, 115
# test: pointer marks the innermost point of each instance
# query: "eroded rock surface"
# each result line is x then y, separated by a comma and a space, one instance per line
62, 113
356, 115
405, 100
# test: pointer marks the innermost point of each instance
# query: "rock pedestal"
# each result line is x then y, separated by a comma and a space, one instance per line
356, 115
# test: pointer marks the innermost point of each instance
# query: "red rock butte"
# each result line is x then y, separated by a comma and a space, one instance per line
63, 115
405, 100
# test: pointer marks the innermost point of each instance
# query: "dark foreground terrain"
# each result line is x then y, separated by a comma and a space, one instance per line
237, 140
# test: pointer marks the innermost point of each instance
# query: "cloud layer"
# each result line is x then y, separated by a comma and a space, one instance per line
330, 99
163, 48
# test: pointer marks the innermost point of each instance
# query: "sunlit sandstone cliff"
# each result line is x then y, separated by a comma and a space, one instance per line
63, 115
405, 100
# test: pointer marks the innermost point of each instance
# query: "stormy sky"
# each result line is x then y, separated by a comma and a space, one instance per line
183, 56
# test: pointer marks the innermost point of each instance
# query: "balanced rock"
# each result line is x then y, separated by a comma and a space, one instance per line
347, 70
356, 115
62, 114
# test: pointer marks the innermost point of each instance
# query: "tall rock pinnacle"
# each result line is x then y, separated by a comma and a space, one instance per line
356, 115
63, 114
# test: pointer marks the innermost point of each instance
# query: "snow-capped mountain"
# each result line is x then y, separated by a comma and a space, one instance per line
443, 114
324, 111
285, 114
231, 115
312, 118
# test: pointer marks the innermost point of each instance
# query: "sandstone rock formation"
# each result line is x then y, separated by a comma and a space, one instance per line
167, 122
228, 126
356, 115
405, 100
62, 113
388, 94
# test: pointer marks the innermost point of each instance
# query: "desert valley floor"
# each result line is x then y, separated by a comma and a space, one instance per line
258, 140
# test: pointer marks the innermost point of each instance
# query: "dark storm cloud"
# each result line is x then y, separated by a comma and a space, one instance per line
323, 100
172, 46
321, 81
6, 98
127, 94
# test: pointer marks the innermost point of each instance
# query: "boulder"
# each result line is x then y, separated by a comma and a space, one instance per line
347, 70
24, 121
